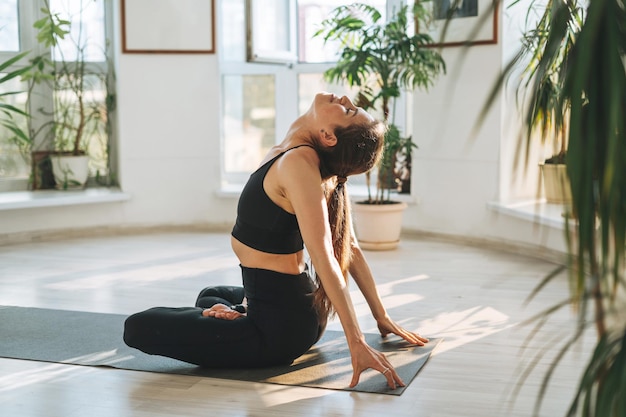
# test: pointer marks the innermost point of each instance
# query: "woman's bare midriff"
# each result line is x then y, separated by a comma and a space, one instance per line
292, 263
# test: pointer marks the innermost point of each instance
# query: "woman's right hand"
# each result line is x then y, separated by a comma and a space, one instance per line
222, 311
365, 357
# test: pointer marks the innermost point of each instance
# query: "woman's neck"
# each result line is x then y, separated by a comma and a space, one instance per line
298, 135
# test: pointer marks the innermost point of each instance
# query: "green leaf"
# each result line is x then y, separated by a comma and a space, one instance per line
13, 109
6, 64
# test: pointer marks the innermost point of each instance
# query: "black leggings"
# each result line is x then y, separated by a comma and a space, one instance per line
281, 324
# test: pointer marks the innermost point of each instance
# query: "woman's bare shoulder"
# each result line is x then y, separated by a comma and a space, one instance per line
295, 174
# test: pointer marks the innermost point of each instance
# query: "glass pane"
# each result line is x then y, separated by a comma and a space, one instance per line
95, 134
9, 29
14, 153
249, 121
233, 31
274, 20
272, 31
310, 15
87, 29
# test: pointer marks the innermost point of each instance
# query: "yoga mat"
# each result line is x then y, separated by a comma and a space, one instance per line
95, 339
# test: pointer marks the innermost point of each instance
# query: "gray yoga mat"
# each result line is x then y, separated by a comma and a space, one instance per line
95, 339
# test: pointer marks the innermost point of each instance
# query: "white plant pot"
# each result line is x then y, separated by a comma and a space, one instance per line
378, 226
556, 184
70, 171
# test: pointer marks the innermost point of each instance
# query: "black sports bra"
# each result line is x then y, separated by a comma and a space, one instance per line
261, 223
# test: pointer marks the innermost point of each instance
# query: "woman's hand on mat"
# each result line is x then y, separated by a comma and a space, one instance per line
365, 357
387, 326
222, 311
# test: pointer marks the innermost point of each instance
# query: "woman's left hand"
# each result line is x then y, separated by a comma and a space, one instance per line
222, 311
387, 326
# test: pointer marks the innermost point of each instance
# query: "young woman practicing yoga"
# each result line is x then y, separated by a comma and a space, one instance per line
296, 199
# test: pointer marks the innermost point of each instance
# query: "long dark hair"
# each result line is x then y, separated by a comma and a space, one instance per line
358, 149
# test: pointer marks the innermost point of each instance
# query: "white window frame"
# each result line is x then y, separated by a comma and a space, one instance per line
286, 73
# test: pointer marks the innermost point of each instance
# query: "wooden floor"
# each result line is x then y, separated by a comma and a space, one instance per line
472, 297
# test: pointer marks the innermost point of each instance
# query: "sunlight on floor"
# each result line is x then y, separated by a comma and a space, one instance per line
273, 395
42, 374
459, 328
388, 288
142, 275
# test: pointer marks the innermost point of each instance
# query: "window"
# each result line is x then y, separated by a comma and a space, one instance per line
272, 26
260, 100
9, 32
89, 28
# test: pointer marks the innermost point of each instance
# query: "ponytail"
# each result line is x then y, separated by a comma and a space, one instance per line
358, 149
339, 217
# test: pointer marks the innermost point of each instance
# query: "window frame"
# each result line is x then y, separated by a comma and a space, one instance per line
286, 76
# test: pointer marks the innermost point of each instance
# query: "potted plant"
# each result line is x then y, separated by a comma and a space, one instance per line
381, 59
78, 115
548, 116
593, 85
14, 119
18, 121
547, 112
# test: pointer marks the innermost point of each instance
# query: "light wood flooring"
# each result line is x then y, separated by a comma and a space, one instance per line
472, 297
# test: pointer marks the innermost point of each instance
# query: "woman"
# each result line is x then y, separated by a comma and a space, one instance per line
296, 198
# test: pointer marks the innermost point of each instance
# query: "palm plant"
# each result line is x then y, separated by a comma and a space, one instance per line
18, 122
583, 46
545, 76
11, 116
381, 60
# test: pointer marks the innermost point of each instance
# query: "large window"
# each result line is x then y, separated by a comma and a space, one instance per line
261, 99
92, 31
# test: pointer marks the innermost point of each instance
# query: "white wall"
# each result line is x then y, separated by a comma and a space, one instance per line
455, 175
169, 152
458, 171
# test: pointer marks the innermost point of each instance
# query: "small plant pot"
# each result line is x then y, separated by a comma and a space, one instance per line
556, 184
70, 171
42, 177
378, 226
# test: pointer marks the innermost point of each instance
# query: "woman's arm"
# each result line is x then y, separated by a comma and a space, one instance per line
301, 185
362, 275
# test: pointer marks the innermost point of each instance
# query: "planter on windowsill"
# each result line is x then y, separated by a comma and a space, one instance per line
42, 177
70, 171
556, 183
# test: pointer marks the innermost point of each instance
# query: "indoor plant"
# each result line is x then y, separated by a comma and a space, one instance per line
381, 59
593, 85
78, 115
14, 119
18, 121
547, 112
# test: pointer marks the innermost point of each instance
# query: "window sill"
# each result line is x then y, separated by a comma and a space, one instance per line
535, 211
55, 198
